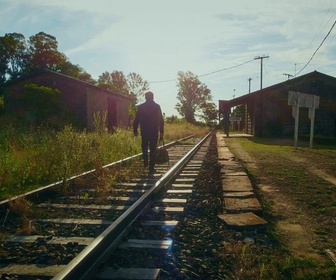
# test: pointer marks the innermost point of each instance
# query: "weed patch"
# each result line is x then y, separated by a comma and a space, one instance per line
37, 157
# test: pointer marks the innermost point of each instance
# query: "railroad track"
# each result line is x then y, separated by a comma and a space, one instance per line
83, 230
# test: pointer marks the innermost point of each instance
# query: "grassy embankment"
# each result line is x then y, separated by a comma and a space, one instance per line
293, 174
35, 158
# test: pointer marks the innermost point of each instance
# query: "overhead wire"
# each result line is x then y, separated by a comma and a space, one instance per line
241, 64
227, 68
321, 27
318, 48
207, 74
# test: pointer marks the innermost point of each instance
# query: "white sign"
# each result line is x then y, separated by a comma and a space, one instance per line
297, 100
235, 119
303, 100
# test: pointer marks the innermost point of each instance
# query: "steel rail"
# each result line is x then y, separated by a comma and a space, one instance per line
86, 263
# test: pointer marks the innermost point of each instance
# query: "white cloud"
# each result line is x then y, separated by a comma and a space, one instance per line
159, 38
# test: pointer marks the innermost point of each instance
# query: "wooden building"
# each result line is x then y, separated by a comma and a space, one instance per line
82, 100
267, 112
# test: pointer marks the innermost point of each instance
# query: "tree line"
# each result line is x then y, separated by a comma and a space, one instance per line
19, 57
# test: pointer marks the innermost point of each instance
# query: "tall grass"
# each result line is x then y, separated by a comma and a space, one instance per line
39, 156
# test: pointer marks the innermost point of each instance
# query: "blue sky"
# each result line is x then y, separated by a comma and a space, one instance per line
157, 39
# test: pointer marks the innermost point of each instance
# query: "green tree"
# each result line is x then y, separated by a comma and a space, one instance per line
2, 104
209, 113
114, 81
137, 87
3, 65
171, 119
43, 52
192, 95
12, 54
18, 57
238, 111
75, 71
132, 86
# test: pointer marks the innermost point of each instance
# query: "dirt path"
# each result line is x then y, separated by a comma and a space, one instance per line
318, 172
295, 228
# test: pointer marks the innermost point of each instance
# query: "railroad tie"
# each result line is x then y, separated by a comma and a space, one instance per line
129, 273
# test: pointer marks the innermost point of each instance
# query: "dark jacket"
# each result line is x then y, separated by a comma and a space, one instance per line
149, 116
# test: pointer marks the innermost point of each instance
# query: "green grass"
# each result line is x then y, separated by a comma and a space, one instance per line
267, 263
29, 159
277, 163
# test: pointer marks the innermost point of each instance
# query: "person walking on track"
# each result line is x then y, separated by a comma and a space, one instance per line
150, 118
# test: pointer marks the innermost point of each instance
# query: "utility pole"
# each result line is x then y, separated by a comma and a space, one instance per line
295, 68
261, 67
249, 81
261, 98
288, 75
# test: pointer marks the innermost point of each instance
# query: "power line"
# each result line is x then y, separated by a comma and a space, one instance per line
260, 57
318, 48
228, 68
321, 27
162, 81
207, 74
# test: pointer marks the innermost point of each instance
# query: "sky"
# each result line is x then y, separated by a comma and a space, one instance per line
219, 41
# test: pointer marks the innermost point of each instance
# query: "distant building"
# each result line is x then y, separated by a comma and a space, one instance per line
81, 99
267, 112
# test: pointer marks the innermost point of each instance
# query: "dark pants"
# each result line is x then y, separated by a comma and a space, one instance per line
151, 142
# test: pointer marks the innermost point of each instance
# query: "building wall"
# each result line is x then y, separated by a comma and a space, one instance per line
81, 99
73, 94
267, 111
276, 106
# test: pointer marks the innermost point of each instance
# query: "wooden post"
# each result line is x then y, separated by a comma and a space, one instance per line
296, 114
227, 123
312, 120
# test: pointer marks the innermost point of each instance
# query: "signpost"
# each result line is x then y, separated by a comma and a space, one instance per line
297, 100
235, 119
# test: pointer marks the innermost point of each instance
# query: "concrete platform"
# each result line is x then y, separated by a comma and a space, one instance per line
242, 220
238, 194
224, 153
237, 188
232, 170
229, 163
237, 184
233, 173
242, 204
239, 198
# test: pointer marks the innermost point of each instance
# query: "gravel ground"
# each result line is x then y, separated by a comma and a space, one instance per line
204, 248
